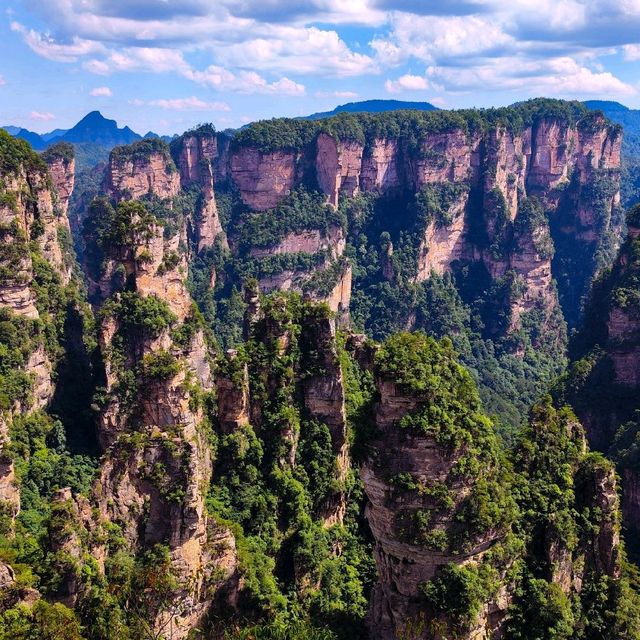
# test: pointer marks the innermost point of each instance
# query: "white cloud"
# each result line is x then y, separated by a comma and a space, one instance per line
42, 116
244, 82
293, 50
49, 48
561, 76
2, 81
189, 104
336, 94
150, 59
436, 38
407, 83
101, 92
529, 46
632, 52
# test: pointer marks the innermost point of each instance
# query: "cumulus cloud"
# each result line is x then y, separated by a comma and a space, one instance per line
150, 59
188, 104
558, 76
222, 79
43, 116
49, 48
434, 7
632, 52
272, 46
2, 81
101, 92
314, 51
407, 82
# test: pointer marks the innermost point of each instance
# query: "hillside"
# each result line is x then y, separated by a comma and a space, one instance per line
372, 106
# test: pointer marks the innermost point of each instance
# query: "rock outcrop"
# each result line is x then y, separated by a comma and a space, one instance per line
423, 502
143, 168
60, 159
196, 156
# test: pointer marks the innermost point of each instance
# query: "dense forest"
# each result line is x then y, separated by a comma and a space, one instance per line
200, 439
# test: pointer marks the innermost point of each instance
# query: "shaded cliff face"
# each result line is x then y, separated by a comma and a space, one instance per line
196, 154
60, 159
28, 315
602, 383
451, 524
519, 208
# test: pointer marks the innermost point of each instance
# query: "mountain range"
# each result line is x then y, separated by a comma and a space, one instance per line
94, 128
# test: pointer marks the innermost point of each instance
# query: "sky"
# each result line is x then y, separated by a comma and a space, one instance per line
165, 65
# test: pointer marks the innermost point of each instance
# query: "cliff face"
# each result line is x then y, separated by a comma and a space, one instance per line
494, 171
61, 162
152, 425
143, 168
416, 498
26, 213
602, 384
430, 472
263, 179
197, 155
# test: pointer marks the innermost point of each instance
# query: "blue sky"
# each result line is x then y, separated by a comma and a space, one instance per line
165, 65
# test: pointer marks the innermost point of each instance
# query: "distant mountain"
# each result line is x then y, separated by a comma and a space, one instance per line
56, 133
372, 106
34, 139
95, 128
152, 134
630, 120
605, 105
11, 130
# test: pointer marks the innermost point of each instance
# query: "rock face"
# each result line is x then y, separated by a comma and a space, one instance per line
26, 213
263, 178
422, 502
197, 154
338, 167
484, 178
603, 383
154, 484
142, 168
414, 502
62, 165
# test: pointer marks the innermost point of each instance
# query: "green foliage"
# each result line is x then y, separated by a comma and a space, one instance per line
147, 315
434, 201
141, 150
60, 150
542, 612
532, 222
16, 154
295, 630
160, 365
129, 224
460, 591
42, 621
302, 210
43, 465
410, 126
